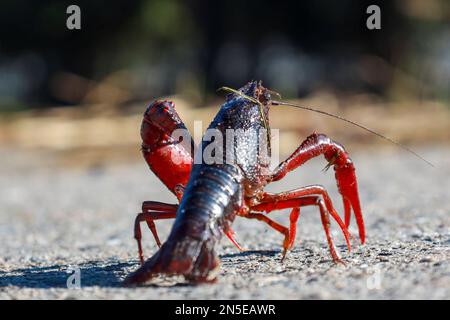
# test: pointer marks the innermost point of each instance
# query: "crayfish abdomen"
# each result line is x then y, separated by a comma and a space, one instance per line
207, 209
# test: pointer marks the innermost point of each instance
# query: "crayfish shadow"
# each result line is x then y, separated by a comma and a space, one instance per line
270, 253
91, 273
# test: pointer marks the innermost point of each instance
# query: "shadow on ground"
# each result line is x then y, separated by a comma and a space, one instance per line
268, 253
92, 273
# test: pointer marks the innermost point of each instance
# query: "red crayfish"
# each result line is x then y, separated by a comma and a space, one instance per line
212, 194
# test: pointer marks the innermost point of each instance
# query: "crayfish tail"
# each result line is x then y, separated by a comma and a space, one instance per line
206, 266
149, 269
196, 260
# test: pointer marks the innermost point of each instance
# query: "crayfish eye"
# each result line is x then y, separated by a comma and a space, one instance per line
265, 97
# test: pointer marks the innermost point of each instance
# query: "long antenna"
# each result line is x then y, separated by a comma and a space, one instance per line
239, 94
275, 103
260, 105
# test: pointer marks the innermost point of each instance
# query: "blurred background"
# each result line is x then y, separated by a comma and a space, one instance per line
72, 176
79, 94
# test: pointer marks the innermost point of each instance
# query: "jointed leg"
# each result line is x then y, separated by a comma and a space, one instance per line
305, 197
230, 235
149, 217
293, 218
156, 210
274, 225
335, 154
158, 206
161, 211
324, 216
288, 199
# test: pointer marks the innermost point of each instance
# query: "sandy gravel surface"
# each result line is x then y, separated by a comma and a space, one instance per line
53, 218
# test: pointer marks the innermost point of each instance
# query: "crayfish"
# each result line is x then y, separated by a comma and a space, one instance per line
211, 195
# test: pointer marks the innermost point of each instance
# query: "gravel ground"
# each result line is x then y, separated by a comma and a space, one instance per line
52, 218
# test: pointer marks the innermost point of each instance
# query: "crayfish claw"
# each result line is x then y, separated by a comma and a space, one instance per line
348, 188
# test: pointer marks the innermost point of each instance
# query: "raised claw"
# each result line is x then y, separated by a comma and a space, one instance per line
336, 156
348, 188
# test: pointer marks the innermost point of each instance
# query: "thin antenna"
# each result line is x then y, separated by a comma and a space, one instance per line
275, 103
260, 105
239, 94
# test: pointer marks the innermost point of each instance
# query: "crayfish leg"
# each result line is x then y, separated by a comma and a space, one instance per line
149, 217
306, 197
